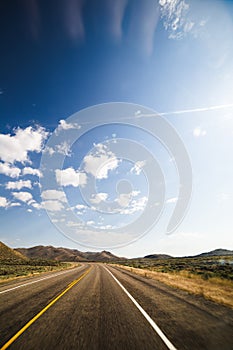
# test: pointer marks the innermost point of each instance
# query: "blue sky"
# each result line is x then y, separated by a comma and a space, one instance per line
58, 58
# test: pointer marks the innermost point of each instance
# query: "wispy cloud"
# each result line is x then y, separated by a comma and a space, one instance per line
116, 10
196, 110
73, 19
175, 19
143, 23
33, 17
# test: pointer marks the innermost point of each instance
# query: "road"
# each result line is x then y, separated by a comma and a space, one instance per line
96, 306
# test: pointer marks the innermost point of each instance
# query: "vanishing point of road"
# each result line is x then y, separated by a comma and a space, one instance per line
100, 307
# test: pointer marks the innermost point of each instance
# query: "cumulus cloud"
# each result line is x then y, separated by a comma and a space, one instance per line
62, 148
124, 199
35, 204
15, 148
22, 196
70, 177
18, 185
80, 207
135, 205
3, 202
138, 166
53, 195
63, 125
52, 205
9, 170
99, 197
31, 171
100, 161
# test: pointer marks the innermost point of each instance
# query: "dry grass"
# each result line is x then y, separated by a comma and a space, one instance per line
17, 271
215, 289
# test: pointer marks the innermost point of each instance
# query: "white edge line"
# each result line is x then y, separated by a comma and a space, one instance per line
41, 279
169, 345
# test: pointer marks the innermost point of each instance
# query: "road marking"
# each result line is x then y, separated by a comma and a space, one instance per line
41, 279
169, 345
27, 325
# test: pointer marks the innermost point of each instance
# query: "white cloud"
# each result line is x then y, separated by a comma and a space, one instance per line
197, 110
70, 177
138, 166
172, 200
53, 195
35, 204
9, 170
107, 227
134, 206
198, 132
90, 222
100, 162
3, 202
80, 206
63, 148
14, 204
135, 193
52, 205
18, 185
124, 199
49, 150
15, 148
31, 171
63, 125
99, 197
175, 18
29, 210
22, 196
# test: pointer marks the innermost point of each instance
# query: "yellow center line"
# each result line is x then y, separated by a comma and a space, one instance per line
27, 325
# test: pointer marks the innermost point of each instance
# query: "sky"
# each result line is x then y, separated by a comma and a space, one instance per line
116, 125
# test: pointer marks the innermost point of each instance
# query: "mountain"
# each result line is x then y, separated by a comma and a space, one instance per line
7, 253
65, 254
157, 256
216, 252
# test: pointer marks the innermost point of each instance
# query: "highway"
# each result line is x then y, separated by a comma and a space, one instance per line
97, 306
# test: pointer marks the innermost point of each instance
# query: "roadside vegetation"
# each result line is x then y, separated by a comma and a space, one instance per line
211, 277
10, 268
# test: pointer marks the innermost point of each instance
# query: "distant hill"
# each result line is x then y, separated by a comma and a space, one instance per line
65, 254
216, 252
6, 253
157, 256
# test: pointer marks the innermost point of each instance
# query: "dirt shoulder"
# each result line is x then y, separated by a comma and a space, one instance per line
215, 289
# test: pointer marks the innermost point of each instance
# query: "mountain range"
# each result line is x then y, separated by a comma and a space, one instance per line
66, 254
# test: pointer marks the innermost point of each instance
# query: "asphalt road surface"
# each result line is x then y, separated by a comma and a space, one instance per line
96, 306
